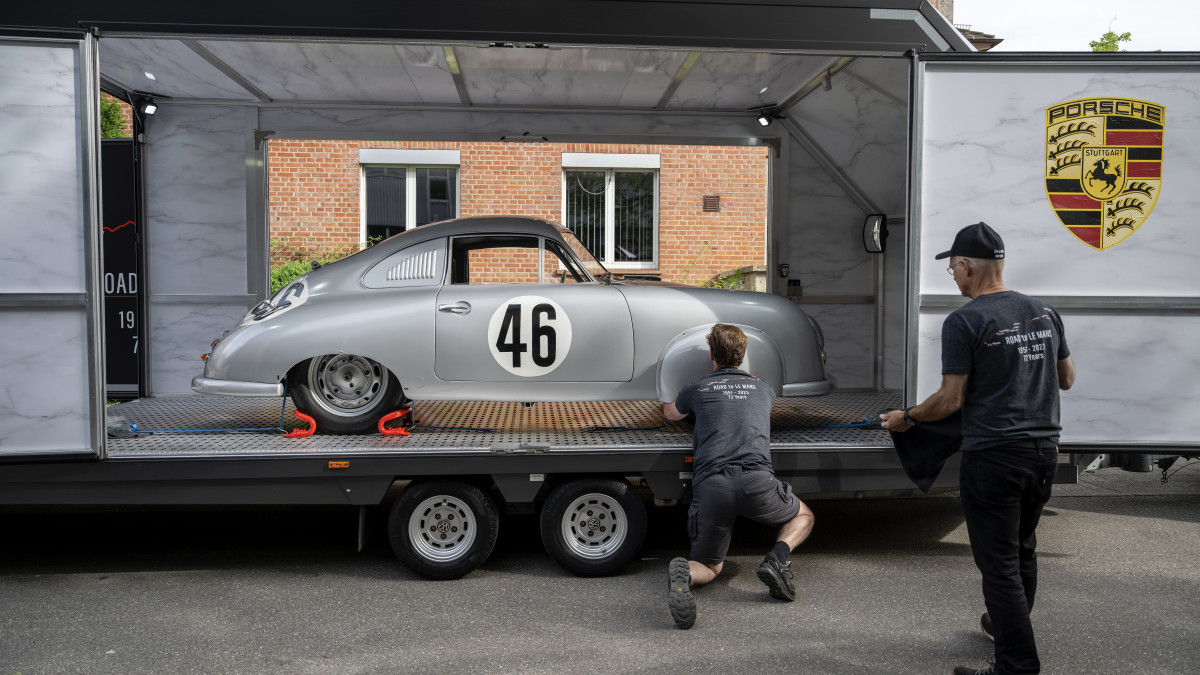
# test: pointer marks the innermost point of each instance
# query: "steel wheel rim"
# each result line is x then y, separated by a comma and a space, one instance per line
347, 385
442, 528
594, 526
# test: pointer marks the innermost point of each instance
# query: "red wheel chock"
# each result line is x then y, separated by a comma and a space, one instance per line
302, 433
391, 416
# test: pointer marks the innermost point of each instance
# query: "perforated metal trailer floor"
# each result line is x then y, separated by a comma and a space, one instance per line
524, 447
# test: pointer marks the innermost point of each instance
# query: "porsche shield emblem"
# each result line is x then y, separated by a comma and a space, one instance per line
1104, 166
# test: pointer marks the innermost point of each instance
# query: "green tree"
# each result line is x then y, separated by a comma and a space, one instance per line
110, 118
1110, 42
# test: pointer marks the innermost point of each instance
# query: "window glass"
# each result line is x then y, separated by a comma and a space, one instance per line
495, 260
385, 200
586, 209
436, 190
612, 212
633, 222
558, 267
388, 209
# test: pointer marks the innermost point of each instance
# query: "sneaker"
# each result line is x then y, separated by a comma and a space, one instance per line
679, 594
985, 622
964, 670
778, 578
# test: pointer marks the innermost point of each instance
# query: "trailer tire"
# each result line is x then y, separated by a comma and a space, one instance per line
443, 529
593, 526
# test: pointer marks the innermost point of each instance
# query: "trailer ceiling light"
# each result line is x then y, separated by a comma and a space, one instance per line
764, 120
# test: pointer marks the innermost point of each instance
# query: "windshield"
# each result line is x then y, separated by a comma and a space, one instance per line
593, 266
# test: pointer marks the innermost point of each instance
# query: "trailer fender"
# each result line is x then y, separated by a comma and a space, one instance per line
685, 359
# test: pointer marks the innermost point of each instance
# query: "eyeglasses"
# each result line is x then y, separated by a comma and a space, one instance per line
950, 269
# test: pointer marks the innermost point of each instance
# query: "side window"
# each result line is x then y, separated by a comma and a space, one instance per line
500, 259
558, 267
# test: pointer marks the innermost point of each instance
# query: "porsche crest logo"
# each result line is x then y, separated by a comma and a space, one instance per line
1104, 166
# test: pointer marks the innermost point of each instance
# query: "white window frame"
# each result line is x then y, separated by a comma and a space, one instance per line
410, 160
612, 163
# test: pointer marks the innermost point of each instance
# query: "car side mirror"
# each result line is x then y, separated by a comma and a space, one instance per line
875, 233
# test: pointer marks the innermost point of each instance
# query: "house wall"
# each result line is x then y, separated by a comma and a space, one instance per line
315, 195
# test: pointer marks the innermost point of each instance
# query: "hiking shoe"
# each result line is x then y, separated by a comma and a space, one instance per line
778, 578
985, 623
679, 593
964, 670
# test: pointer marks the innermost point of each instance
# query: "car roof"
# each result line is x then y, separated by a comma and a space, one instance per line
478, 225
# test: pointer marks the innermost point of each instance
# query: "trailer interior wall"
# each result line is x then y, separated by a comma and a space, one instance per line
203, 235
859, 122
1131, 311
51, 372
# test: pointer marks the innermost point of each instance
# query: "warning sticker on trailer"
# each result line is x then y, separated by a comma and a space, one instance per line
529, 335
1104, 166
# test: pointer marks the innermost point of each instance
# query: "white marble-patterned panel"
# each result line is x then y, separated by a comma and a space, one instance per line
573, 77
864, 131
165, 67
984, 158
41, 230
652, 75
326, 71
895, 309
736, 80
929, 353
410, 124
44, 404
849, 342
825, 233
1136, 376
195, 168
181, 332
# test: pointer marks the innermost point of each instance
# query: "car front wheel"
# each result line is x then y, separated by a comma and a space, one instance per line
345, 393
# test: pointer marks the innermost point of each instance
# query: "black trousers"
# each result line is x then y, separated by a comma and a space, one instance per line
1003, 491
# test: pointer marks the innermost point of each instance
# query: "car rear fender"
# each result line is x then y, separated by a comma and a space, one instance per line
685, 359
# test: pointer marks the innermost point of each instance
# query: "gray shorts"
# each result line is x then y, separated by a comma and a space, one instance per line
718, 500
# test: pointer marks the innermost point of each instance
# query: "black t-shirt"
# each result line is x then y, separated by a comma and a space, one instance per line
1009, 345
733, 421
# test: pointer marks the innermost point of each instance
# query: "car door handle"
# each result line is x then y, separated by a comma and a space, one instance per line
457, 308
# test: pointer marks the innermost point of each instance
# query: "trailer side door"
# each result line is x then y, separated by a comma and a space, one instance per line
1087, 165
51, 373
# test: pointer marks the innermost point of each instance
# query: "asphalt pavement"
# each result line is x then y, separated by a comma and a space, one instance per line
884, 586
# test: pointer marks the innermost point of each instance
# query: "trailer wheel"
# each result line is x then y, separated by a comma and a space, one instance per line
345, 393
443, 529
593, 526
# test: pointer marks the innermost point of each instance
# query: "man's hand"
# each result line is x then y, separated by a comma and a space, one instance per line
894, 421
671, 412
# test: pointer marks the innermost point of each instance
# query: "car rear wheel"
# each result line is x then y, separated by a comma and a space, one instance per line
593, 526
345, 393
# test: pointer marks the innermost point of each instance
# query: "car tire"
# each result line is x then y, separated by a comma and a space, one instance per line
319, 389
593, 526
443, 529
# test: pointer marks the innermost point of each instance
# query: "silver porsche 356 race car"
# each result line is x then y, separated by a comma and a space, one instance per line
494, 309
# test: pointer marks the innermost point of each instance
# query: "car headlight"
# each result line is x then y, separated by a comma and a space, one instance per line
290, 297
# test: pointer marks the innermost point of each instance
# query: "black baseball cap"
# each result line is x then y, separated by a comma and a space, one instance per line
975, 241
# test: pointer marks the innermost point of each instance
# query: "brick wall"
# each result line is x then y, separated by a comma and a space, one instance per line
315, 196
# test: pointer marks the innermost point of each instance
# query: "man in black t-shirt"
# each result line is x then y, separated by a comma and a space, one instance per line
732, 476
1004, 360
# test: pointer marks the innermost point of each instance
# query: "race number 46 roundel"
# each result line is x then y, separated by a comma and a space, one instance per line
529, 335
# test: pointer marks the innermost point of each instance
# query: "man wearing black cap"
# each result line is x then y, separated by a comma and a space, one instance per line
1004, 358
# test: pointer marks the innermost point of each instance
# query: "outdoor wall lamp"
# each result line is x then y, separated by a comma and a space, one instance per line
148, 106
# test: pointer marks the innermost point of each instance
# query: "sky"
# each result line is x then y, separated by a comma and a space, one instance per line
1069, 25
